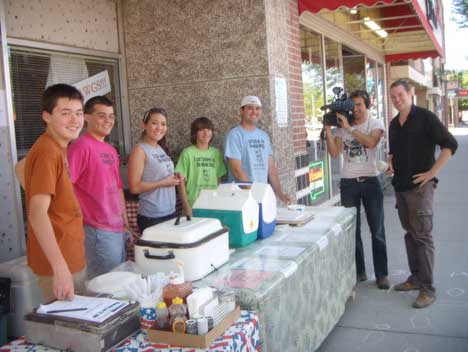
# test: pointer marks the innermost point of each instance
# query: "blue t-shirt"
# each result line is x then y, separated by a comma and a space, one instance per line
253, 148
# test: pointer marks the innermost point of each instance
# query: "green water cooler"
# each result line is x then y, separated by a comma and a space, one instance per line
235, 208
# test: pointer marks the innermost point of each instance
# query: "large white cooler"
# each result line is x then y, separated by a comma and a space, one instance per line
201, 244
25, 295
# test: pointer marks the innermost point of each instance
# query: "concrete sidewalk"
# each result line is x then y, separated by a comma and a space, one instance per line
384, 321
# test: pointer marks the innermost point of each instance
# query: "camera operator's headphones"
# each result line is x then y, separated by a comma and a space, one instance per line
362, 94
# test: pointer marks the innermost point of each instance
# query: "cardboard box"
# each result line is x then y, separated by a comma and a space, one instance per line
198, 341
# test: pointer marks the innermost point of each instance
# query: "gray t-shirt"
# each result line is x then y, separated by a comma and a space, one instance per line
161, 201
358, 160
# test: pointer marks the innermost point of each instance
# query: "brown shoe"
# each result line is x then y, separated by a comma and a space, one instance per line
361, 277
423, 300
406, 286
383, 283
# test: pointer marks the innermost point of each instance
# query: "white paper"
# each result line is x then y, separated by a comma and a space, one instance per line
281, 93
97, 310
287, 267
280, 251
98, 84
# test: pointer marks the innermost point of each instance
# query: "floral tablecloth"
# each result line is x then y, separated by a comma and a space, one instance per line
242, 336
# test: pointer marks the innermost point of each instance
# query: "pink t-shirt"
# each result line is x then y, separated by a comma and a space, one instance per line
94, 171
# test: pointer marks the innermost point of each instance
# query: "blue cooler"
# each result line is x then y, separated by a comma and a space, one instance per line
266, 199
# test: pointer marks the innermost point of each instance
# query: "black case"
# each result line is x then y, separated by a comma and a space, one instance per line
82, 336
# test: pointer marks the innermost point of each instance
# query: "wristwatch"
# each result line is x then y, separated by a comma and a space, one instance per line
351, 129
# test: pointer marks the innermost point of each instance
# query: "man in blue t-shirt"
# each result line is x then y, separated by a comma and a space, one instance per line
248, 150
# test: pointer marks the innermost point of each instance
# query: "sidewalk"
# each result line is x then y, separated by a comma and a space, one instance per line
384, 321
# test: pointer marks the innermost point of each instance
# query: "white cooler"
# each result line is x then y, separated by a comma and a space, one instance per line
202, 244
25, 295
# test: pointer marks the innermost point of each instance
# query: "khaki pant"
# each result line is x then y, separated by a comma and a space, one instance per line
415, 212
45, 285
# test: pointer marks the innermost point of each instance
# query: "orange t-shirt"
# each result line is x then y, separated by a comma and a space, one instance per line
46, 172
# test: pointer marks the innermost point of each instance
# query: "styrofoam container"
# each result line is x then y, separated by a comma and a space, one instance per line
112, 283
25, 294
201, 244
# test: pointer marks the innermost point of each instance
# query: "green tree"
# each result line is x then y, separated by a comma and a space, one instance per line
460, 75
460, 8
462, 104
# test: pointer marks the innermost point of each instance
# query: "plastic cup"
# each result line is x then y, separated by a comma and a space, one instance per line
147, 317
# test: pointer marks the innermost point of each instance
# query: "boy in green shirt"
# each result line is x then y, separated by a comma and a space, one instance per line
200, 164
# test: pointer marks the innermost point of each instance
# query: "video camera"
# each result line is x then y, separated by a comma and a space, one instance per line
341, 104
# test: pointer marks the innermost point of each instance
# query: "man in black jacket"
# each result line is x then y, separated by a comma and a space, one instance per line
413, 135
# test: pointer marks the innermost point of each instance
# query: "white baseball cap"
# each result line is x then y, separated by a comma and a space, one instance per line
251, 99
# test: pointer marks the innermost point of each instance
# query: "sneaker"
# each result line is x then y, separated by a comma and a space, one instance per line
383, 283
361, 277
423, 300
406, 286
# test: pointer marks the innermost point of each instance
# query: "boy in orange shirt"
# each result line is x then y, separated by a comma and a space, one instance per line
55, 244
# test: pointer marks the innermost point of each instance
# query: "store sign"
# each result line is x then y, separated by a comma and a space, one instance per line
462, 93
316, 179
95, 85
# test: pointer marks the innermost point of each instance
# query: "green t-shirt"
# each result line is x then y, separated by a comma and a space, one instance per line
201, 168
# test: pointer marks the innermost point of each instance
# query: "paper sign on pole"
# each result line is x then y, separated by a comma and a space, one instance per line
95, 85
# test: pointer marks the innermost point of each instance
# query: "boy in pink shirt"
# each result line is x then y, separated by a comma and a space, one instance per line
94, 170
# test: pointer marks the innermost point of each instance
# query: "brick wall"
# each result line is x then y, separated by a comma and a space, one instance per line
295, 94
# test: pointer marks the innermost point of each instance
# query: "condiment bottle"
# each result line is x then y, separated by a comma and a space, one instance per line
177, 311
177, 287
162, 315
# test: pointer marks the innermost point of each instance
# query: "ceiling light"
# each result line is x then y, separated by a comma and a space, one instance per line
375, 27
353, 11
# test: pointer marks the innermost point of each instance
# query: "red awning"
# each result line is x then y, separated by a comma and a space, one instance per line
315, 6
414, 32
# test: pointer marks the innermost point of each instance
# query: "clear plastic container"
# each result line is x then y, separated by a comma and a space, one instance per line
177, 310
162, 316
229, 299
177, 288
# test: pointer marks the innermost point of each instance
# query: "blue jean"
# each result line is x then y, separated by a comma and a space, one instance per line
104, 250
368, 191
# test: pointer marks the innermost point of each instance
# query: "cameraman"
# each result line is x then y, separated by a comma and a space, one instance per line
358, 142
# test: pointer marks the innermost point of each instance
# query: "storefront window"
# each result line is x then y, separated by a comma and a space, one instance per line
354, 70
333, 78
33, 70
313, 81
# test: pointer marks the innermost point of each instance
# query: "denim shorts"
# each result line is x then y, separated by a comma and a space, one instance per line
104, 250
